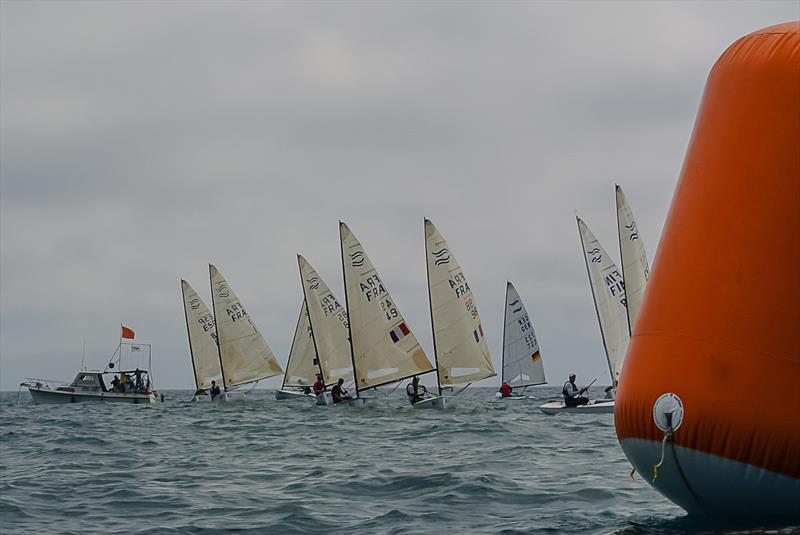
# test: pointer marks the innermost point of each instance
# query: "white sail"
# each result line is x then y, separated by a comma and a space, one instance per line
635, 268
608, 291
202, 338
244, 353
522, 361
329, 325
301, 367
384, 349
462, 353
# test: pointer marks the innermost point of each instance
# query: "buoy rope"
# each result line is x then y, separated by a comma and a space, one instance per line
656, 466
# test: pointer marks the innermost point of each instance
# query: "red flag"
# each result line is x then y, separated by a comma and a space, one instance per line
128, 334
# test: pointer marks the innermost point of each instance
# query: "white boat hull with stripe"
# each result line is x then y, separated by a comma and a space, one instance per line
595, 406
286, 394
438, 402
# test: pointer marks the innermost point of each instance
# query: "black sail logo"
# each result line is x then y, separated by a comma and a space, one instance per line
442, 257
313, 283
194, 303
596, 256
224, 291
357, 259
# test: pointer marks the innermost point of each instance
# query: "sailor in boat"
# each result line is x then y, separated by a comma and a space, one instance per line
415, 391
319, 386
338, 392
505, 390
572, 394
215, 390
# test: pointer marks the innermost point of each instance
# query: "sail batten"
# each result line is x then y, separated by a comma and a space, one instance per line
380, 338
522, 359
244, 354
328, 323
459, 339
608, 292
635, 268
202, 334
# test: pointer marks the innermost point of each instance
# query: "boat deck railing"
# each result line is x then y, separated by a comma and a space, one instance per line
38, 382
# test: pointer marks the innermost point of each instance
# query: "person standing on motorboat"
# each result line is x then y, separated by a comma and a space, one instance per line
505, 390
319, 386
415, 391
215, 390
338, 392
572, 394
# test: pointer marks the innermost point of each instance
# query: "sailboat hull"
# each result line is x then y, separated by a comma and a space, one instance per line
355, 403
512, 397
230, 397
46, 396
285, 395
438, 402
325, 399
595, 406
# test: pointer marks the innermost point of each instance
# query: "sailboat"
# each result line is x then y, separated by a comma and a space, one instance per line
328, 324
608, 292
635, 268
302, 366
202, 334
522, 362
382, 347
244, 355
459, 343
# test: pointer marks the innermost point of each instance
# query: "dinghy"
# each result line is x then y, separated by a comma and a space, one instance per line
459, 344
244, 356
382, 347
608, 293
521, 361
595, 406
202, 335
327, 320
301, 366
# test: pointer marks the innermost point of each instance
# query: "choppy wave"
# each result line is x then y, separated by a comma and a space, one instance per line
287, 467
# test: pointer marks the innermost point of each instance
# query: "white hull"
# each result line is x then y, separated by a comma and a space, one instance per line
292, 395
438, 402
324, 399
230, 397
512, 397
595, 406
61, 397
355, 403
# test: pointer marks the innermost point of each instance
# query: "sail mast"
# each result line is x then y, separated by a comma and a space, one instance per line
219, 343
594, 300
622, 260
311, 323
430, 308
347, 305
503, 354
189, 336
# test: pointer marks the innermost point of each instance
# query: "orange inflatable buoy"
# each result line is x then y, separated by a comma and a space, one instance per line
708, 407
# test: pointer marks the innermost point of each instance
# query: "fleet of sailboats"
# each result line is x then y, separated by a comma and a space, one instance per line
366, 340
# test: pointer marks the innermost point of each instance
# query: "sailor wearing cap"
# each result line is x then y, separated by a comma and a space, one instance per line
572, 394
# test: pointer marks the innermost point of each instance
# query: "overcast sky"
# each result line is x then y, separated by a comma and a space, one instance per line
141, 141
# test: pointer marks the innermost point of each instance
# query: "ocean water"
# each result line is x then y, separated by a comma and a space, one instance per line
291, 467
